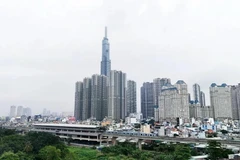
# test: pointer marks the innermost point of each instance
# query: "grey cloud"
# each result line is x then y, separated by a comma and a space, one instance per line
46, 46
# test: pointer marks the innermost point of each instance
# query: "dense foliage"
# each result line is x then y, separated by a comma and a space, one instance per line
216, 152
129, 151
45, 146
32, 146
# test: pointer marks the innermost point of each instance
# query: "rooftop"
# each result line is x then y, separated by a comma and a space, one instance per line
65, 125
215, 85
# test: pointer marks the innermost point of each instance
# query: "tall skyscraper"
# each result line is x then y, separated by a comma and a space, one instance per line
12, 111
86, 98
158, 83
196, 93
202, 99
117, 95
106, 62
147, 100
19, 111
220, 98
174, 102
27, 112
131, 97
78, 109
99, 108
235, 96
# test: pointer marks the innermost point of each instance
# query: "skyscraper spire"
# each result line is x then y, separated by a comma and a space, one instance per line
106, 62
105, 31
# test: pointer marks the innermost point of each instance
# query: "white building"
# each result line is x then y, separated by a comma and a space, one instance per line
145, 128
220, 98
12, 111
174, 102
133, 118
19, 111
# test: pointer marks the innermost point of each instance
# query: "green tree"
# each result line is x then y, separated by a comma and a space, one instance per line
136, 154
42, 139
151, 122
160, 157
226, 152
182, 152
28, 147
163, 157
49, 153
7, 132
214, 150
69, 139
145, 156
103, 128
14, 143
24, 156
9, 156
70, 156
224, 132
169, 157
4, 148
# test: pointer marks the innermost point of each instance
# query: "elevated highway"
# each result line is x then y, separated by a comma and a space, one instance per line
171, 139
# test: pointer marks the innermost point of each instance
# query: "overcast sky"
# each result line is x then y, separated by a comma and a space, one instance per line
48, 45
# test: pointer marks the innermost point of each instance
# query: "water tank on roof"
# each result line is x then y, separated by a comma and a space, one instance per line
224, 85
213, 85
180, 82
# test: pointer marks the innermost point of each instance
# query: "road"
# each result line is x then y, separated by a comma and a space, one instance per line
175, 139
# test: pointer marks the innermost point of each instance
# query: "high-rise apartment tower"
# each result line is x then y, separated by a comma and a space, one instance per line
117, 95
196, 93
147, 100
221, 101
78, 109
131, 97
12, 111
99, 108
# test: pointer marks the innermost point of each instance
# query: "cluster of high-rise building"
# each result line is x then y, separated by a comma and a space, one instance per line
150, 92
198, 96
224, 103
163, 101
108, 94
166, 102
19, 111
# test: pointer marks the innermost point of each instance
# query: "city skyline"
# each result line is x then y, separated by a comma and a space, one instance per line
43, 56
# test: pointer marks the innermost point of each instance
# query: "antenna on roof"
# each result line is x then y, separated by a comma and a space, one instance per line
106, 31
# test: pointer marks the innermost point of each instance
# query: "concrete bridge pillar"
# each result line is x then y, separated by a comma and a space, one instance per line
140, 144
100, 139
114, 141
